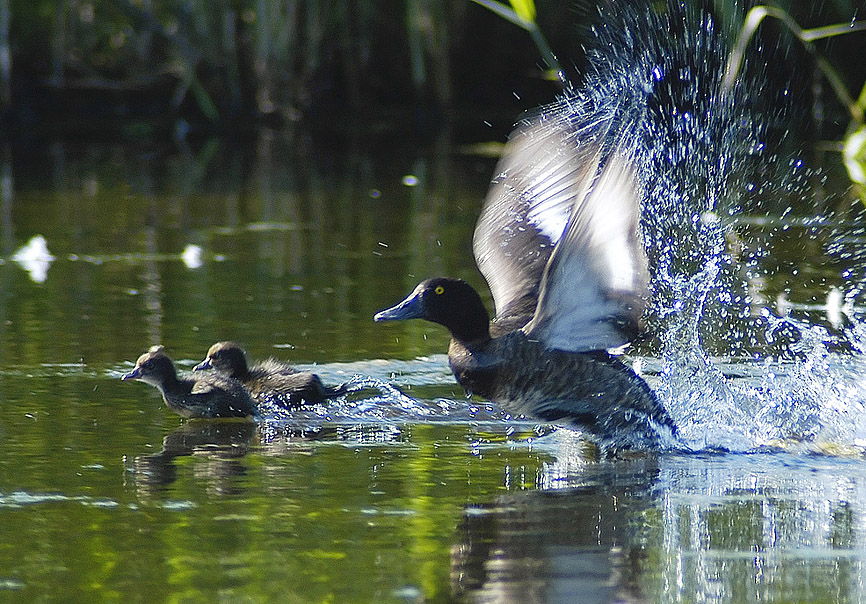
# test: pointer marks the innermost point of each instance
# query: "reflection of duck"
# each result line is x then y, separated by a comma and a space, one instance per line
547, 546
221, 445
202, 395
559, 245
269, 381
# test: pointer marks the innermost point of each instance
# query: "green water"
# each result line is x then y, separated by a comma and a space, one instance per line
298, 255
107, 496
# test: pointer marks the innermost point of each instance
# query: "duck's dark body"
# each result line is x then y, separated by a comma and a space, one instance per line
204, 395
270, 381
593, 391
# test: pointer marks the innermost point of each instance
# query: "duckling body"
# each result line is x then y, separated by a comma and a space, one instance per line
198, 396
270, 381
558, 242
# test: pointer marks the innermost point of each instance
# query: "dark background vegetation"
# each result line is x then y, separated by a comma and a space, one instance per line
144, 68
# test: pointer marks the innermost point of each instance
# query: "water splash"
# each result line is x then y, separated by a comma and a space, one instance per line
693, 389
734, 374
374, 401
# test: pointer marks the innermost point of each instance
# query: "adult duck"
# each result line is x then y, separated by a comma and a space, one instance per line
558, 243
202, 395
268, 381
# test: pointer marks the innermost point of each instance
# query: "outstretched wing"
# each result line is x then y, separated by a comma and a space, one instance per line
593, 288
548, 162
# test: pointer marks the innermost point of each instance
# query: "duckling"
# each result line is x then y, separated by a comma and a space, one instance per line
270, 381
203, 395
558, 243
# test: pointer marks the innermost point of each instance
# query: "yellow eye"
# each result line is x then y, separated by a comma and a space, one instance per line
439, 289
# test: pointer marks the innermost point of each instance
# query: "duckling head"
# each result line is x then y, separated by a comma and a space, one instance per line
154, 367
224, 357
452, 303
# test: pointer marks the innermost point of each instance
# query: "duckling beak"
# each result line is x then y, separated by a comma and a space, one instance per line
132, 375
410, 308
205, 364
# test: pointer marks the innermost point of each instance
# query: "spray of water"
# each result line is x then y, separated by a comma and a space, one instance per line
721, 185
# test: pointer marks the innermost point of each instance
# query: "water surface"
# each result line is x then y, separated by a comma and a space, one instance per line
421, 496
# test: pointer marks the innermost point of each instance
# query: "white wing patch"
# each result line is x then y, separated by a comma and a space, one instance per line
592, 289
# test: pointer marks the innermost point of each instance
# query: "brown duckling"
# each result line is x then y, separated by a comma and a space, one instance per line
268, 381
201, 395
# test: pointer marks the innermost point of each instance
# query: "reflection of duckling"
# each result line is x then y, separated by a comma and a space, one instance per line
269, 381
221, 444
559, 245
202, 395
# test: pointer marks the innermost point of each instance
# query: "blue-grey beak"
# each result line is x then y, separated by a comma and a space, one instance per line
410, 308
132, 375
205, 364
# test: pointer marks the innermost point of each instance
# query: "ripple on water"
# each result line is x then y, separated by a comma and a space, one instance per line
19, 499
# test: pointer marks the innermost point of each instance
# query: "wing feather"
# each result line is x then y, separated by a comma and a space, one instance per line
593, 288
548, 161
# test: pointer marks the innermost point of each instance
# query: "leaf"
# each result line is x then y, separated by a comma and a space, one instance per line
854, 158
525, 9
854, 155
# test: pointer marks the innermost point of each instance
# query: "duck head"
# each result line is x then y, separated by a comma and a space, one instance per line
153, 367
224, 357
452, 303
